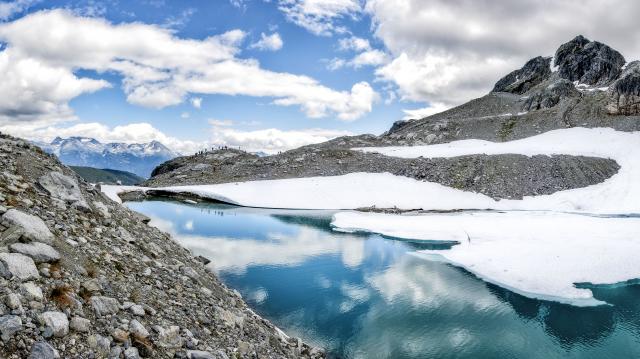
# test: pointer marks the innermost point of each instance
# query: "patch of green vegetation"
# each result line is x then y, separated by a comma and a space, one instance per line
506, 129
107, 176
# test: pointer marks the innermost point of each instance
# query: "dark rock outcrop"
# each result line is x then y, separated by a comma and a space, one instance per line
531, 74
551, 95
624, 94
589, 62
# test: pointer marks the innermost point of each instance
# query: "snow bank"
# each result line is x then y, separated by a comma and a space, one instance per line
536, 254
112, 191
618, 194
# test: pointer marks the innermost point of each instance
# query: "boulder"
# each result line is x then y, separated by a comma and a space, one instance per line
80, 324
65, 188
43, 350
551, 95
588, 62
19, 266
624, 94
9, 325
32, 291
104, 305
39, 252
57, 323
520, 81
33, 228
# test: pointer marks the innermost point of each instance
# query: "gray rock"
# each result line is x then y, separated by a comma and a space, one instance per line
169, 338
39, 252
100, 344
551, 95
131, 353
20, 266
9, 325
32, 291
80, 324
137, 309
57, 322
520, 81
624, 94
589, 62
33, 227
104, 305
65, 188
13, 301
136, 328
199, 354
190, 272
43, 350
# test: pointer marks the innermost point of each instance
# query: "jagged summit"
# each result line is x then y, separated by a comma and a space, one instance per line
588, 62
139, 158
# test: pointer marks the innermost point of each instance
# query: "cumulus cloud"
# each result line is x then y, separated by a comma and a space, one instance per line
436, 62
10, 8
39, 69
271, 42
269, 140
196, 102
366, 55
321, 17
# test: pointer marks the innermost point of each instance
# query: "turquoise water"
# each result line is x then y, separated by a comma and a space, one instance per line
366, 296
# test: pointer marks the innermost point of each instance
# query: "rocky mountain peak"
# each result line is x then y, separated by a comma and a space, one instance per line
531, 74
588, 62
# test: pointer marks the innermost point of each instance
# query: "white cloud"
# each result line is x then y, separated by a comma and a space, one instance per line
269, 140
366, 55
185, 115
435, 61
271, 42
39, 66
354, 43
424, 112
10, 8
196, 102
320, 17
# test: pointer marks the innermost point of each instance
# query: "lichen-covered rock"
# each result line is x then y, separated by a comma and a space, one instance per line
57, 323
65, 188
33, 228
588, 62
43, 350
9, 325
520, 81
624, 94
19, 266
39, 252
104, 305
551, 95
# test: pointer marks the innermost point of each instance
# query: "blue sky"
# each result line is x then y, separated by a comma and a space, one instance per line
330, 67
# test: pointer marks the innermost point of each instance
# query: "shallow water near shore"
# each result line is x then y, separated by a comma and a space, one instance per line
366, 296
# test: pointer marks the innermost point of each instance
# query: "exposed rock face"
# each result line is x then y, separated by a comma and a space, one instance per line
105, 278
551, 95
531, 74
624, 94
588, 62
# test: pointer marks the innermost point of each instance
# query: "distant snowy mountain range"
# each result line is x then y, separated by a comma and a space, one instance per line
138, 158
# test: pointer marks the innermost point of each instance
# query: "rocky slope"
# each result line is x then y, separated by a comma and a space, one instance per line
84, 277
585, 84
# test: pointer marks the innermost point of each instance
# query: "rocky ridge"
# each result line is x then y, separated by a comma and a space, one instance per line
586, 83
84, 277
